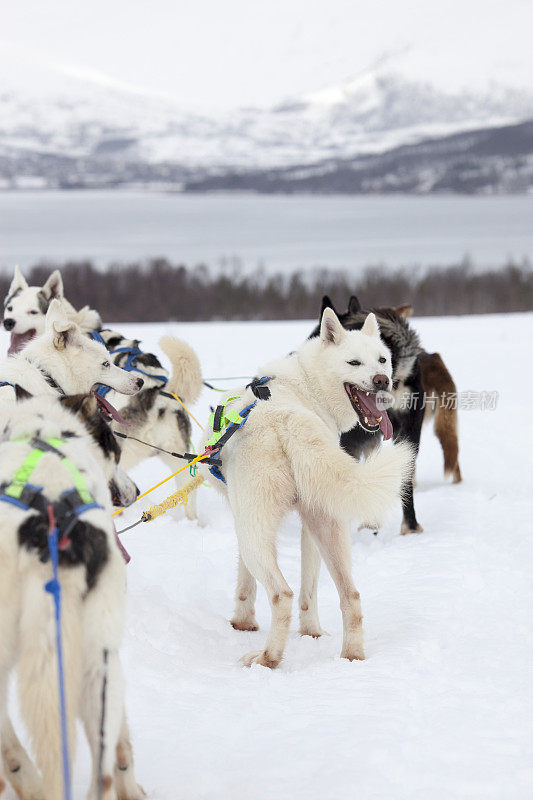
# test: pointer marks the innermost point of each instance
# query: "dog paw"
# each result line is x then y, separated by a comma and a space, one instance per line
315, 631
137, 794
405, 529
369, 526
356, 654
244, 624
261, 657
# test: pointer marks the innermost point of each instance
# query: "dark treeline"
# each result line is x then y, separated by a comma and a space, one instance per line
158, 290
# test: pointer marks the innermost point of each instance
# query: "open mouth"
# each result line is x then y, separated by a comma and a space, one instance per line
371, 418
108, 411
18, 340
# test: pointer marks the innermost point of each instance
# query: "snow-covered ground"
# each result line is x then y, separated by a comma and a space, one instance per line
442, 706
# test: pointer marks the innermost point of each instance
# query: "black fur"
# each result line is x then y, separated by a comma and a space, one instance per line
11, 296
43, 302
139, 405
405, 349
184, 424
88, 545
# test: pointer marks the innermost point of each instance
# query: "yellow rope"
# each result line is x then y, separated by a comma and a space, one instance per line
178, 498
194, 461
180, 401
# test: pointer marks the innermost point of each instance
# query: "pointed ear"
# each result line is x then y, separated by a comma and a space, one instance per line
331, 330
371, 327
326, 303
18, 283
53, 286
58, 325
404, 311
354, 305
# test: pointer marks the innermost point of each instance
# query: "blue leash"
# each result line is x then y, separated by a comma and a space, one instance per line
53, 587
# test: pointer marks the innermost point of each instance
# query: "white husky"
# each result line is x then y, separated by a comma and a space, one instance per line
287, 456
62, 361
153, 416
25, 309
76, 464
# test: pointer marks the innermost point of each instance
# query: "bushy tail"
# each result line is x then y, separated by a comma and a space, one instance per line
186, 377
87, 318
38, 673
379, 482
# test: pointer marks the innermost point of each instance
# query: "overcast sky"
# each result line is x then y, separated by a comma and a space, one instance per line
225, 53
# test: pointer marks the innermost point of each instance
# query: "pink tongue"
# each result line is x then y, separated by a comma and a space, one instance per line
368, 402
111, 410
18, 340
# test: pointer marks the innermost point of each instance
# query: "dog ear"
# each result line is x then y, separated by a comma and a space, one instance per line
18, 283
331, 330
326, 303
53, 286
354, 305
371, 327
58, 325
404, 311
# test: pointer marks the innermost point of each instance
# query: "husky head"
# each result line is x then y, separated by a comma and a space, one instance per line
107, 449
72, 360
25, 309
350, 369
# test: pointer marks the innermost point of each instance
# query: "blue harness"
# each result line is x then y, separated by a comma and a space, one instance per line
129, 366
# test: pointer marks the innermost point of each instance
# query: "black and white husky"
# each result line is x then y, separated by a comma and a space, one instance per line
62, 455
153, 415
416, 376
287, 456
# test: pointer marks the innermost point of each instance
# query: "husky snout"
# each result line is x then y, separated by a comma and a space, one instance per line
381, 382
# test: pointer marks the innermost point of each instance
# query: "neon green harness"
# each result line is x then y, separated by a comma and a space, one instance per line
17, 490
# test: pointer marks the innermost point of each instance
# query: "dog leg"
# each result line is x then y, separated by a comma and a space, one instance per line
333, 539
103, 745
127, 787
408, 429
258, 550
244, 615
309, 622
19, 768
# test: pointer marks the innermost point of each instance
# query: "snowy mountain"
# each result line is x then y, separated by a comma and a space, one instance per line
78, 128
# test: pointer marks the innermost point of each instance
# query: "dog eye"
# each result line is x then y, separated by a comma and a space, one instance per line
382, 360
354, 363
10, 308
33, 311
106, 364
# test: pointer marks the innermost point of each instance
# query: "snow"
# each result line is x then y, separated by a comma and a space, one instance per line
441, 708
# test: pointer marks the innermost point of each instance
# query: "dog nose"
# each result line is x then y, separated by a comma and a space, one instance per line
9, 324
140, 382
380, 381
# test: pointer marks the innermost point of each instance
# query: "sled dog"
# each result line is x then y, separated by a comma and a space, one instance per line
153, 415
287, 456
62, 455
25, 309
415, 375
61, 362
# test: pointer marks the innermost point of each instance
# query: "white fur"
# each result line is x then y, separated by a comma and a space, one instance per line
75, 362
22, 305
287, 456
91, 621
159, 426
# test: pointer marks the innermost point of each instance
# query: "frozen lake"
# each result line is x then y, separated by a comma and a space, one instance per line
279, 232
